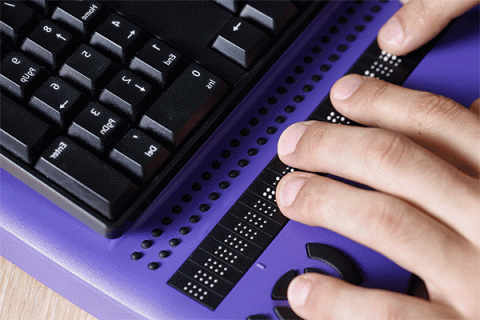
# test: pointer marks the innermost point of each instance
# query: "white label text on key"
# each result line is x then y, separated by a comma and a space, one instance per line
61, 146
151, 151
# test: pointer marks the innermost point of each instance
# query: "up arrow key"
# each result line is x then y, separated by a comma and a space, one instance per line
60, 37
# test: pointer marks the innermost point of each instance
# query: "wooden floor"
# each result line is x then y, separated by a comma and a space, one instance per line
23, 297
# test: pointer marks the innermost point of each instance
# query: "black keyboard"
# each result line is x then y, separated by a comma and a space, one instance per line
103, 102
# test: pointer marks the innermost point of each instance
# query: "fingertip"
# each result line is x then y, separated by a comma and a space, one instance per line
391, 36
346, 87
298, 291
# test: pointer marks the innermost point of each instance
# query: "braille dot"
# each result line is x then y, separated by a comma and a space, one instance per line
325, 67
146, 244
253, 121
153, 265
184, 230
225, 154
333, 30
233, 174
308, 59
261, 141
342, 47
307, 88
194, 219
359, 28
271, 130
282, 90
244, 132
351, 38
204, 207
351, 10
177, 209
333, 57
196, 186
325, 39
376, 9
186, 198
359, 2
280, 119
367, 18
135, 256
316, 77
216, 164
383, 1
166, 221
289, 109
243, 162
223, 185
163, 254
214, 196
156, 233
316, 49
252, 152
235, 143
342, 20
263, 111
298, 98
174, 242
290, 80
299, 69
272, 100
206, 175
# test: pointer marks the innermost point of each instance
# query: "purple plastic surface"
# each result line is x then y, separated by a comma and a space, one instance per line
98, 274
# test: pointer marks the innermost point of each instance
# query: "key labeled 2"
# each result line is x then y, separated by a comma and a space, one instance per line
97, 127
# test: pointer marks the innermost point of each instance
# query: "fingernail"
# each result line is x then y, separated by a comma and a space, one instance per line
290, 189
289, 138
347, 86
392, 32
298, 291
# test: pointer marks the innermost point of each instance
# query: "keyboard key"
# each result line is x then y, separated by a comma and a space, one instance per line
126, 93
43, 5
271, 15
48, 43
19, 75
116, 36
57, 100
173, 116
81, 16
157, 61
139, 154
16, 20
21, 132
97, 127
200, 21
87, 68
241, 42
86, 176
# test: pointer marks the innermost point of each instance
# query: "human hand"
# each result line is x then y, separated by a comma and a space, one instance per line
422, 155
419, 21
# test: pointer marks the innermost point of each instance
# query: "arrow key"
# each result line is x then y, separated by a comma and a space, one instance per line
126, 93
48, 43
116, 36
57, 101
241, 42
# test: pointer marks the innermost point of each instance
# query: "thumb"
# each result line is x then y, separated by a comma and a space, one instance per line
418, 21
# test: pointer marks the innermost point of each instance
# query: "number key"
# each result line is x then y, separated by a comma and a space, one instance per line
18, 74
47, 42
97, 127
126, 92
87, 68
57, 100
15, 20
116, 35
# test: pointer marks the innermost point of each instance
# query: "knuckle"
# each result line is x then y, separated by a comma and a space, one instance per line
432, 107
311, 195
385, 150
385, 217
391, 310
381, 94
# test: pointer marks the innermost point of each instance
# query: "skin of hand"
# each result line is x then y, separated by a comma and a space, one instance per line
421, 153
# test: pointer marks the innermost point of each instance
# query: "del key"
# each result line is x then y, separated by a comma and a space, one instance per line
173, 116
